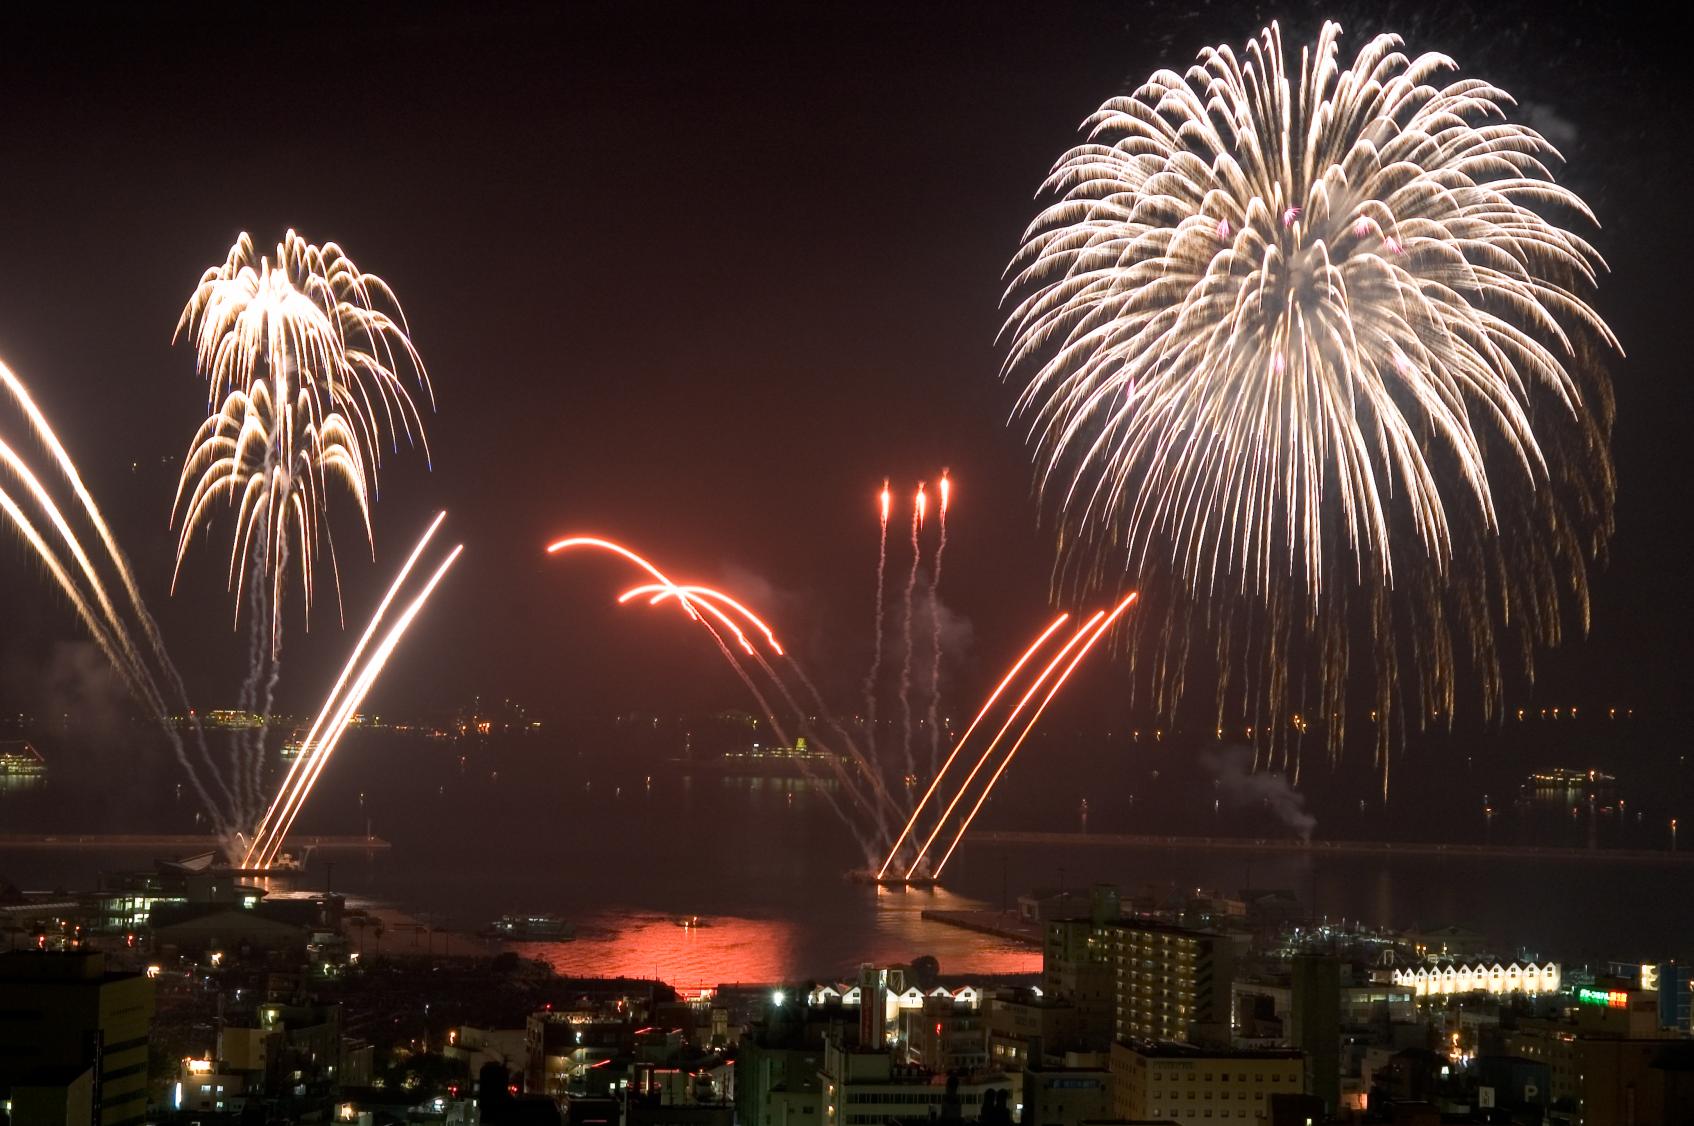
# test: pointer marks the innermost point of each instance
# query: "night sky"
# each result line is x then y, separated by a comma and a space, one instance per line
699, 276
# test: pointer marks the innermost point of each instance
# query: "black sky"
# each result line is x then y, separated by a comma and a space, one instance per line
699, 276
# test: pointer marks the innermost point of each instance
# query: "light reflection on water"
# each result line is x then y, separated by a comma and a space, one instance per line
734, 948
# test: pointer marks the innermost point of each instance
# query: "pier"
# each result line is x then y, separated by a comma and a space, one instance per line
1292, 847
194, 842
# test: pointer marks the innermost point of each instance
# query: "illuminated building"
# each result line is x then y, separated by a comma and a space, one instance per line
20, 760
1185, 1084
203, 1087
891, 996
1513, 978
66, 1011
1170, 983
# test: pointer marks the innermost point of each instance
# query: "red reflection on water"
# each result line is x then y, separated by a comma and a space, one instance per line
884, 929
721, 950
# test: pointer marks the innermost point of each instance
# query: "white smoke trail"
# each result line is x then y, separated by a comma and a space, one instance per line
906, 667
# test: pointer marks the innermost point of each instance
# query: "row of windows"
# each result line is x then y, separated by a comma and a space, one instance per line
1191, 1095
1223, 1077
1221, 1114
900, 1097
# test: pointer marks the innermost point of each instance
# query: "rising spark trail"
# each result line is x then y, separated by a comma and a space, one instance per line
918, 505
1099, 631
946, 489
964, 739
351, 687
874, 677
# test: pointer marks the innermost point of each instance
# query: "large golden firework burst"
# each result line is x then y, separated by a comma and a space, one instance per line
1312, 358
304, 356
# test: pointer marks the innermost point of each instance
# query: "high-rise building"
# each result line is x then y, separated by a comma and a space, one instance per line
1185, 1084
1315, 1024
64, 1010
1170, 983
1077, 969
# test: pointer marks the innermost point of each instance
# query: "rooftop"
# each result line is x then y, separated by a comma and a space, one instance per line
1170, 1050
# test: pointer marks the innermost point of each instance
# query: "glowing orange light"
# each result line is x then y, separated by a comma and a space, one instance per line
706, 596
922, 504
946, 492
887, 501
619, 549
965, 738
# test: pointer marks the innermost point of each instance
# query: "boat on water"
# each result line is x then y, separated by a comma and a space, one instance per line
691, 922
532, 928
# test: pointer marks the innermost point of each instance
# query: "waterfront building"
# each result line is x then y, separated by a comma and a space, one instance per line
1446, 979
1195, 1086
65, 1012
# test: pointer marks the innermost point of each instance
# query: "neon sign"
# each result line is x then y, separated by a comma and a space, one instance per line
1611, 998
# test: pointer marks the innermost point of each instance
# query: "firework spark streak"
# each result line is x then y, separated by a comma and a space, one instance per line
707, 598
1303, 348
918, 506
706, 605
1099, 631
78, 577
344, 700
1082, 632
946, 489
303, 358
935, 782
875, 674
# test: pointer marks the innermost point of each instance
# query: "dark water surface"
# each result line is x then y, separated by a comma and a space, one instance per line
624, 845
